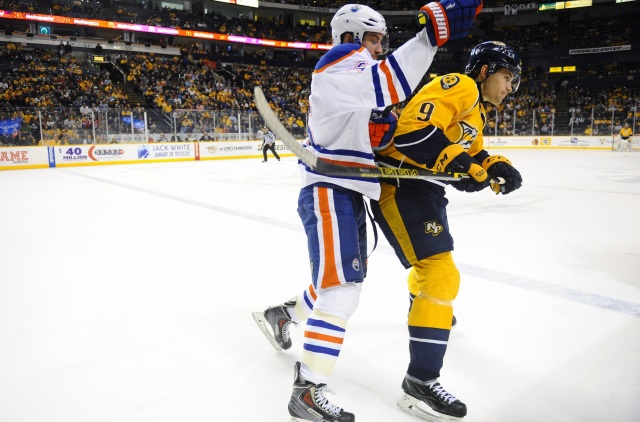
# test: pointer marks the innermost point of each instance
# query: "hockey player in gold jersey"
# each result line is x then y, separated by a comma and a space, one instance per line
625, 137
440, 129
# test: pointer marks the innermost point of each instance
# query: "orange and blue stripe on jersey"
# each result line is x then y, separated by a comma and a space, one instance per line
377, 84
343, 157
336, 55
389, 67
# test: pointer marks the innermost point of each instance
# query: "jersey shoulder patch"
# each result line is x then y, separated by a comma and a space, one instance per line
449, 81
456, 87
457, 80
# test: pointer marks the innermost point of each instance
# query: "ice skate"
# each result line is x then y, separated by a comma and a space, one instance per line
430, 401
308, 403
274, 323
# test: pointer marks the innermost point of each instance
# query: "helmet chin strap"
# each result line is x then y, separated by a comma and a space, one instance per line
479, 83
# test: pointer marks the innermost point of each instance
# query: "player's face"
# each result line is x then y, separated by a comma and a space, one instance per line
372, 41
497, 86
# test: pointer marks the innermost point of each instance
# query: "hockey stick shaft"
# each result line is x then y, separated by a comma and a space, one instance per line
331, 169
272, 121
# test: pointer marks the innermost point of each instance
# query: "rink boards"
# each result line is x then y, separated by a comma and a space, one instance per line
18, 157
87, 155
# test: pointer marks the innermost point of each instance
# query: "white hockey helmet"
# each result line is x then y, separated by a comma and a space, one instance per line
357, 19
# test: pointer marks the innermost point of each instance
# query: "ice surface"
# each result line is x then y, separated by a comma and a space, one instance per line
126, 295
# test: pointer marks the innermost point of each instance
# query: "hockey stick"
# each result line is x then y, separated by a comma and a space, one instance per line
331, 169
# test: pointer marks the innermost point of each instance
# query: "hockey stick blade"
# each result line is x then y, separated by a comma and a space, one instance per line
331, 169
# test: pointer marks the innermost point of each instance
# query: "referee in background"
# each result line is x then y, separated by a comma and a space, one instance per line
268, 143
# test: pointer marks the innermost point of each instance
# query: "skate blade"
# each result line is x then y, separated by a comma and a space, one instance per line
417, 408
263, 324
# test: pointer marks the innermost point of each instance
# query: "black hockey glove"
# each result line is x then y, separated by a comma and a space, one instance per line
500, 167
455, 159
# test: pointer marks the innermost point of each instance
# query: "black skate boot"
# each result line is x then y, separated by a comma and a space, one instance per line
278, 320
308, 403
430, 401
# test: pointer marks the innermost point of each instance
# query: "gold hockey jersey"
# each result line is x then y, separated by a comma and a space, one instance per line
450, 103
626, 132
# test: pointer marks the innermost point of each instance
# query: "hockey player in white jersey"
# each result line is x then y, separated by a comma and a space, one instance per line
348, 82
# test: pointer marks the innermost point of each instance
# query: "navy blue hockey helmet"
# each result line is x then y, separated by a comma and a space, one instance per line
497, 55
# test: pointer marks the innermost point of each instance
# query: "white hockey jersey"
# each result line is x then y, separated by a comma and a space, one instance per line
347, 84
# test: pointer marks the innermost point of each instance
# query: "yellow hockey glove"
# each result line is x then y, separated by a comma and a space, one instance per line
455, 159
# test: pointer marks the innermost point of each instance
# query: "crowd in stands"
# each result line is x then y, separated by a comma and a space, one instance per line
597, 32
590, 31
618, 104
211, 92
529, 111
543, 36
165, 17
57, 87
20, 5
612, 69
77, 9
383, 4
63, 92
173, 83
88, 9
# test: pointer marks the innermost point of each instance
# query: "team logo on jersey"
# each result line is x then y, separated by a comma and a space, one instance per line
449, 81
433, 227
359, 67
356, 264
468, 134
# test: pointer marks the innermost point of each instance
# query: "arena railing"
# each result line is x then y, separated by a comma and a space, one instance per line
68, 126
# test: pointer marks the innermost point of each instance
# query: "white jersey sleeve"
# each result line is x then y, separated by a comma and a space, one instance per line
347, 84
